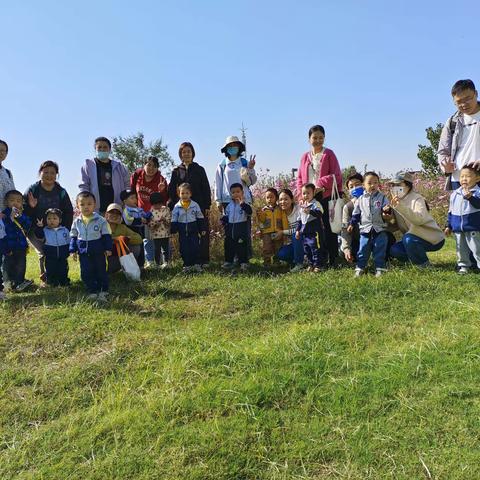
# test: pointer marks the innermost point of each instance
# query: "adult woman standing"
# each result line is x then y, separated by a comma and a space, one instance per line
6, 179
145, 181
421, 234
192, 173
320, 167
42, 195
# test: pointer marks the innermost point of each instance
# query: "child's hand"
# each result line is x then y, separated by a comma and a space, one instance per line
279, 235
144, 220
307, 210
203, 233
297, 235
32, 201
75, 256
350, 229
466, 192
447, 231
39, 222
108, 253
348, 255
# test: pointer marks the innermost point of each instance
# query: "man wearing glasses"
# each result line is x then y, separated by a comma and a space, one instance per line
460, 139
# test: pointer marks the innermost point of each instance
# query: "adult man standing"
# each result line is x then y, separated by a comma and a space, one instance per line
460, 139
104, 177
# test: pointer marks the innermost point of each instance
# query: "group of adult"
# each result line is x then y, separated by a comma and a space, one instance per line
106, 178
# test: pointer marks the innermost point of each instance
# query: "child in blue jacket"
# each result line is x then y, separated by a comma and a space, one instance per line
17, 225
236, 221
189, 223
91, 239
464, 219
56, 241
3, 243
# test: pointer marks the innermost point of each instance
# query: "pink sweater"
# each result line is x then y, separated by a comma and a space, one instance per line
328, 166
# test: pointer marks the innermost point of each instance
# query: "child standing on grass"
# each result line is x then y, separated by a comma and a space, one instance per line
236, 221
188, 222
368, 214
17, 225
3, 243
311, 227
159, 226
91, 240
464, 219
271, 220
56, 241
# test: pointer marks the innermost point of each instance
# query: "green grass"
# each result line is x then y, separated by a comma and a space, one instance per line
257, 376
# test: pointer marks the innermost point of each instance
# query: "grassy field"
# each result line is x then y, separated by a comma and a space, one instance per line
258, 376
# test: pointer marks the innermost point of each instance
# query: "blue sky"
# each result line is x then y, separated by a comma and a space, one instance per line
375, 74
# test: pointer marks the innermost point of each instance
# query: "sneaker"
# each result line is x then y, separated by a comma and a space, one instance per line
309, 268
3, 297
186, 269
297, 268
379, 272
24, 285
164, 265
359, 272
92, 297
103, 297
205, 266
197, 268
462, 270
318, 269
244, 267
227, 266
149, 265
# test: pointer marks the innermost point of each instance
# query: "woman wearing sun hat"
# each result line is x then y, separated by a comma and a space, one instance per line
421, 234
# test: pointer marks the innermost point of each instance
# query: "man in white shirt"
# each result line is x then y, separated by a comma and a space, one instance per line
460, 139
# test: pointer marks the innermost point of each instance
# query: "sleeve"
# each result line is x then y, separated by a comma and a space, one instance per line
107, 237
345, 236
444, 151
252, 175
200, 218
246, 208
356, 215
418, 215
172, 189
475, 199
67, 210
206, 190
73, 238
39, 233
174, 224
334, 171
25, 221
84, 185
126, 177
218, 185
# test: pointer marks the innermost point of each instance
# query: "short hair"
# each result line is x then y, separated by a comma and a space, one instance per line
54, 211
48, 163
316, 128
152, 159
185, 186
371, 174
11, 193
472, 169
288, 192
354, 176
236, 185
103, 139
124, 194
156, 197
85, 194
309, 186
462, 85
272, 190
3, 142
182, 146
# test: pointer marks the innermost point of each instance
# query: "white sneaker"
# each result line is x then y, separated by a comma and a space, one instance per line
359, 272
103, 297
164, 265
24, 285
462, 270
3, 297
244, 267
149, 265
227, 266
297, 268
379, 272
92, 297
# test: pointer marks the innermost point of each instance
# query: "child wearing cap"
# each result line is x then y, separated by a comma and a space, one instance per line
159, 226
133, 216
56, 240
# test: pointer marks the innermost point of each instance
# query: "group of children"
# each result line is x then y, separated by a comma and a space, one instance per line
90, 238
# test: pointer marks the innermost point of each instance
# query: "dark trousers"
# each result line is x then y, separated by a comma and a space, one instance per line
205, 243
14, 267
162, 249
236, 247
313, 247
93, 270
1, 276
189, 249
56, 270
331, 239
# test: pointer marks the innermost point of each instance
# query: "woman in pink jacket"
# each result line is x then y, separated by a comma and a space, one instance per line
320, 167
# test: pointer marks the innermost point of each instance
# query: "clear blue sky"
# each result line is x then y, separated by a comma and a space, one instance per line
374, 73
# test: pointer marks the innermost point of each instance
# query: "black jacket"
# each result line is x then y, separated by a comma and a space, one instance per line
197, 178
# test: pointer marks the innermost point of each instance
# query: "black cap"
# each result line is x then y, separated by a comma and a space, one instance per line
126, 193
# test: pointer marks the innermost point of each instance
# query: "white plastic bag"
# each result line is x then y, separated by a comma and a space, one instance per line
335, 208
127, 261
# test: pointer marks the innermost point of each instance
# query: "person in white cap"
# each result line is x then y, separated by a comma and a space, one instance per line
233, 169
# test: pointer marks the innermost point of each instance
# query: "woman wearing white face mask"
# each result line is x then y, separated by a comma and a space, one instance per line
421, 234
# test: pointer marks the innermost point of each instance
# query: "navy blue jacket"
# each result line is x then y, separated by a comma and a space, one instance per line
15, 238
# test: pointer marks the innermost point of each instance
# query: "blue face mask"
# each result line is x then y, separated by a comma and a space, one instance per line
103, 155
357, 192
233, 151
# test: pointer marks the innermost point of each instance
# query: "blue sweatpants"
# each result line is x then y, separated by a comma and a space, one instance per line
314, 249
93, 270
189, 249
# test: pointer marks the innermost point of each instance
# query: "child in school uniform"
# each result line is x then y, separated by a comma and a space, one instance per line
17, 225
3, 236
159, 226
188, 222
91, 241
56, 241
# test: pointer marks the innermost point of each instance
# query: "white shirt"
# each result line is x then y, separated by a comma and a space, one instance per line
468, 150
314, 167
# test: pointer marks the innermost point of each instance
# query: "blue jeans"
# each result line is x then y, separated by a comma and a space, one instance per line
292, 253
149, 248
414, 248
375, 243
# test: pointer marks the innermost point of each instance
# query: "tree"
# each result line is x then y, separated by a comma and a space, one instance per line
428, 154
347, 171
132, 151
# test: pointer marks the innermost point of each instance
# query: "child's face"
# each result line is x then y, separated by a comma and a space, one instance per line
354, 182
131, 201
307, 194
53, 221
236, 193
86, 205
15, 201
114, 216
468, 178
184, 194
271, 199
371, 183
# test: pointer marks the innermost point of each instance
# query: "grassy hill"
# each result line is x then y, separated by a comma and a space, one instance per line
257, 376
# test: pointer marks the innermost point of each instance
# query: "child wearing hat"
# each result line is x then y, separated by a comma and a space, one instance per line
159, 226
56, 240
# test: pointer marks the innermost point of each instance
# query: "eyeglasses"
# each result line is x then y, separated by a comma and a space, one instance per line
464, 101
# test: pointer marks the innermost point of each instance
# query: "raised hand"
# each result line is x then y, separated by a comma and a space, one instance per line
32, 201
252, 162
39, 222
